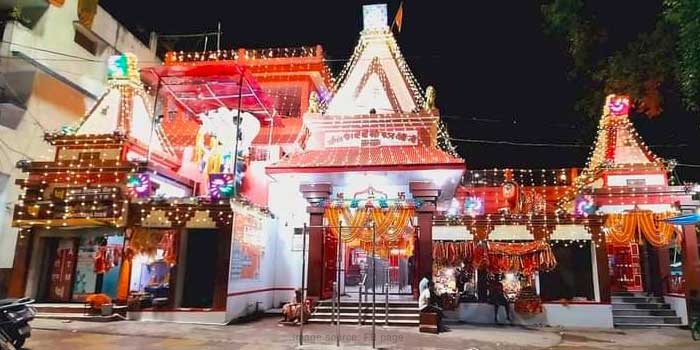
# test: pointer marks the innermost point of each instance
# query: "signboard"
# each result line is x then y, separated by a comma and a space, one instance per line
247, 247
369, 138
104, 193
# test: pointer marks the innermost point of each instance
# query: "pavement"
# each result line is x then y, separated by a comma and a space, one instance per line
266, 333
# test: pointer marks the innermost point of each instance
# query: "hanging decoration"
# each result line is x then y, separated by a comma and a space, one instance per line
147, 242
633, 225
390, 223
495, 256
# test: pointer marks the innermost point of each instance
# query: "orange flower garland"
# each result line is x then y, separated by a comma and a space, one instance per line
392, 226
631, 226
496, 257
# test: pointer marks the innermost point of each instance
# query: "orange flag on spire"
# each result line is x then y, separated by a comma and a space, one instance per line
398, 19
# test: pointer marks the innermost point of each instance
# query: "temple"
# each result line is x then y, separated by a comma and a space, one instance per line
219, 183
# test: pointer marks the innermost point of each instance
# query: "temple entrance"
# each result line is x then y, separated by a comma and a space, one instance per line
625, 267
393, 273
368, 246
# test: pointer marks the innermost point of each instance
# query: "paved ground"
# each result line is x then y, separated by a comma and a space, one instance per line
267, 334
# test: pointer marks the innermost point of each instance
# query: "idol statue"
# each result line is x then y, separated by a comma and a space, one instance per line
429, 104
313, 103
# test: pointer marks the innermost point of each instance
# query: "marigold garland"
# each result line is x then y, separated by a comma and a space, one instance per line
496, 257
631, 226
392, 226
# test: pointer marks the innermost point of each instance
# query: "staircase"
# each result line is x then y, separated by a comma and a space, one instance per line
401, 313
641, 310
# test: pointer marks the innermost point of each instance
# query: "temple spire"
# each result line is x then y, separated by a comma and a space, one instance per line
377, 75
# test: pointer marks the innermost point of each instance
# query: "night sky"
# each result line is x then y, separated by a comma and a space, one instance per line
498, 75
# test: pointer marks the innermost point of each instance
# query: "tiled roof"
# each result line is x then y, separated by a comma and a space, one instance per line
399, 156
284, 131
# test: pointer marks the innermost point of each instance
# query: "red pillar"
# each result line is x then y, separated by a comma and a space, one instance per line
315, 194
601, 258
427, 193
663, 259
18, 277
691, 262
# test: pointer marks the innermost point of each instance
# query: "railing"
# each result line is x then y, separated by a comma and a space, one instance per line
386, 298
359, 299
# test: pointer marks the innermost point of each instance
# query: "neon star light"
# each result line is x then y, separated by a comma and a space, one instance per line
618, 105
474, 206
221, 186
139, 185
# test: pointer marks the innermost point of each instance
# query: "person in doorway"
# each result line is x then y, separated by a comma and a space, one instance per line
498, 298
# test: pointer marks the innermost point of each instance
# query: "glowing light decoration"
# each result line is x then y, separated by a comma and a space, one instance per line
139, 185
585, 206
474, 206
221, 186
618, 104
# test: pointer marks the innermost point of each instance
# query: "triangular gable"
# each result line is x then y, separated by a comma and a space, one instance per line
377, 54
375, 92
107, 117
617, 143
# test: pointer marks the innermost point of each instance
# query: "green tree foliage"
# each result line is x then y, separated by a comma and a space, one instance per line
685, 15
666, 56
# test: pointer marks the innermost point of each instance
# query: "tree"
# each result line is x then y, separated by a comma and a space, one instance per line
642, 65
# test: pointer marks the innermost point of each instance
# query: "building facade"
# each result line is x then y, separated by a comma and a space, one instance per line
53, 68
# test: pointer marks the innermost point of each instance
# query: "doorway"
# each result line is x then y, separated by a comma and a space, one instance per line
200, 268
57, 270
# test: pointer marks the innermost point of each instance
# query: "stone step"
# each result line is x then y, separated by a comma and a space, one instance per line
368, 309
328, 315
369, 302
70, 316
379, 322
643, 312
622, 320
637, 299
78, 309
642, 306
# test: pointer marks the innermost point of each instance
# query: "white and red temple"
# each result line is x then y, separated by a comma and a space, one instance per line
180, 183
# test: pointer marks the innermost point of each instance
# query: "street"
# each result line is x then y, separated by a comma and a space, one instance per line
267, 334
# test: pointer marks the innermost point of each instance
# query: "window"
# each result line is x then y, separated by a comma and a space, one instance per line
86, 43
10, 114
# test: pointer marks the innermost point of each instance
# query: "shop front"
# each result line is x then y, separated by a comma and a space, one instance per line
67, 265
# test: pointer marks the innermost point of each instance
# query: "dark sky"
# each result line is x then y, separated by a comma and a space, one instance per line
498, 76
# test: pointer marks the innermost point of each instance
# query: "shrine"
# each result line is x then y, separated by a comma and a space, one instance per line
221, 182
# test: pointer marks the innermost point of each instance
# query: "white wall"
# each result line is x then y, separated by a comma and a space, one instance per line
244, 294
287, 203
52, 103
678, 304
573, 315
54, 32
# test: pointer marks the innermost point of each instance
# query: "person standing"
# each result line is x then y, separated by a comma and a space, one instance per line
498, 298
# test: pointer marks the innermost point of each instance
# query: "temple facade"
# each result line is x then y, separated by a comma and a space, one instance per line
218, 183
